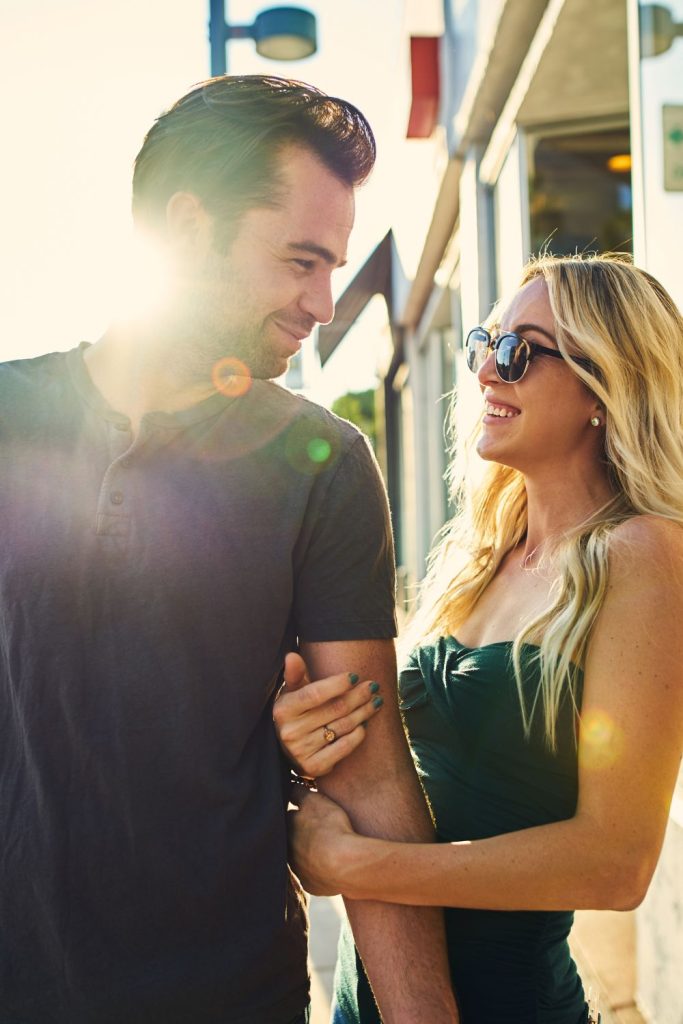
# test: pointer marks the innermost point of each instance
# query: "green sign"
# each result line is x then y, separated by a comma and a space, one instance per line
672, 125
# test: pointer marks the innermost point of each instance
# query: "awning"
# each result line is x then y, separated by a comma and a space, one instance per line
373, 278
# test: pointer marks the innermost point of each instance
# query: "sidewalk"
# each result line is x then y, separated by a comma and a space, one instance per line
603, 945
326, 916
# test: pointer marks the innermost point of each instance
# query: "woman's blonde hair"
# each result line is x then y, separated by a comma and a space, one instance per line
626, 324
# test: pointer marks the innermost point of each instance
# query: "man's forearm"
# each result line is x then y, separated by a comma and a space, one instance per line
408, 985
403, 948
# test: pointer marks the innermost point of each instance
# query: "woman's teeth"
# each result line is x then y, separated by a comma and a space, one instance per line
498, 410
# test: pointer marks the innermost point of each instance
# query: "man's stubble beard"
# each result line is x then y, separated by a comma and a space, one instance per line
245, 349
234, 335
213, 348
207, 339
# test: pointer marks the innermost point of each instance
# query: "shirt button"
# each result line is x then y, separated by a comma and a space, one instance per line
116, 497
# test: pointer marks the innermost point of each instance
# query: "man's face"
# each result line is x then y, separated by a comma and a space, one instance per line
259, 301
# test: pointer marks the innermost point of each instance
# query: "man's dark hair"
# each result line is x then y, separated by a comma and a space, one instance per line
221, 142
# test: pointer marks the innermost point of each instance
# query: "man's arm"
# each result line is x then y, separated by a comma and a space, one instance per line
403, 948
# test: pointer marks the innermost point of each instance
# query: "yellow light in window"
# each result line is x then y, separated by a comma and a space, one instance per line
619, 163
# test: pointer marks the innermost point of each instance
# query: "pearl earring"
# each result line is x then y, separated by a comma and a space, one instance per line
595, 421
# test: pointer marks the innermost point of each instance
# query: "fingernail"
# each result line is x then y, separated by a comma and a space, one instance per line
374, 687
353, 678
377, 702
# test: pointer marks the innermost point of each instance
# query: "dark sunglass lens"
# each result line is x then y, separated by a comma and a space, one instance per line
512, 357
476, 348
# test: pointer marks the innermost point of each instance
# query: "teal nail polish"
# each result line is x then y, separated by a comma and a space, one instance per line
374, 687
353, 678
377, 702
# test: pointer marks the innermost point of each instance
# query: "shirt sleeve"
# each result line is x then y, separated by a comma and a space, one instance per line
344, 563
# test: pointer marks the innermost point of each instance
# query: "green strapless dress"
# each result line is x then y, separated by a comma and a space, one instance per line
485, 778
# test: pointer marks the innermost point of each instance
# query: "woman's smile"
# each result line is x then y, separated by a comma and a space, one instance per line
495, 410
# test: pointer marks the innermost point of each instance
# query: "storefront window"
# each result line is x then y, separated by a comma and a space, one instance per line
580, 192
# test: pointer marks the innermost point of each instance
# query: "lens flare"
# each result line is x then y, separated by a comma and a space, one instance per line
319, 449
231, 377
308, 449
601, 740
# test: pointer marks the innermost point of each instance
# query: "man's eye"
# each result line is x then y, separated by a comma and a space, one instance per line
304, 264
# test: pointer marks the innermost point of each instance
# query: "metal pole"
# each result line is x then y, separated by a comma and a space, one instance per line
218, 37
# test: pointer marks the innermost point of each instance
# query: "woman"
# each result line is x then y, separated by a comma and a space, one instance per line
543, 697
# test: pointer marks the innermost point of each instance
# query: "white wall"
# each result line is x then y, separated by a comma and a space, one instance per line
658, 226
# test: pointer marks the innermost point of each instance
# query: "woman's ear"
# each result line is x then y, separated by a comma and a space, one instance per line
598, 416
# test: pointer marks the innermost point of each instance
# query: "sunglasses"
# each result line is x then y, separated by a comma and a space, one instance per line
513, 354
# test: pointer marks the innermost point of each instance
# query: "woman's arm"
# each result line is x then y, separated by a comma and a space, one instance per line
629, 753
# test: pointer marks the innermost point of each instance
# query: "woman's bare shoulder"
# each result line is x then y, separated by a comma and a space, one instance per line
647, 537
640, 624
648, 545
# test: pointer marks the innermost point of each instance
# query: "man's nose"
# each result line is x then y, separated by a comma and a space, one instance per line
317, 300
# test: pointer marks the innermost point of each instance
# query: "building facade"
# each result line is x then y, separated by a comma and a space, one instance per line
553, 123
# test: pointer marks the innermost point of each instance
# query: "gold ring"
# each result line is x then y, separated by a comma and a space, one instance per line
329, 735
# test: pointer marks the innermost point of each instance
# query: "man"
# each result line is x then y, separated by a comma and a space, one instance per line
173, 524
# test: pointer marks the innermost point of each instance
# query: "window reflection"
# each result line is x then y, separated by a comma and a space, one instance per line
580, 192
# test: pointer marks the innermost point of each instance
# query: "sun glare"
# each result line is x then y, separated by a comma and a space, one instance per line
601, 740
144, 278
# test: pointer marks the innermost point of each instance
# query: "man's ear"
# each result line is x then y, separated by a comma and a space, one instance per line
188, 224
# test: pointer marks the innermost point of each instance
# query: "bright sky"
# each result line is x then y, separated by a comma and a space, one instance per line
83, 82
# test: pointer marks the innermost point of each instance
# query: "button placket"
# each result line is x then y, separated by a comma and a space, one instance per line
113, 506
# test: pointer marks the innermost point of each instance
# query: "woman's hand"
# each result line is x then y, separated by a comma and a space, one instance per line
318, 724
319, 831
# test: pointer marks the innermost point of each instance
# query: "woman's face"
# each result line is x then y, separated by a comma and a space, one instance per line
543, 420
